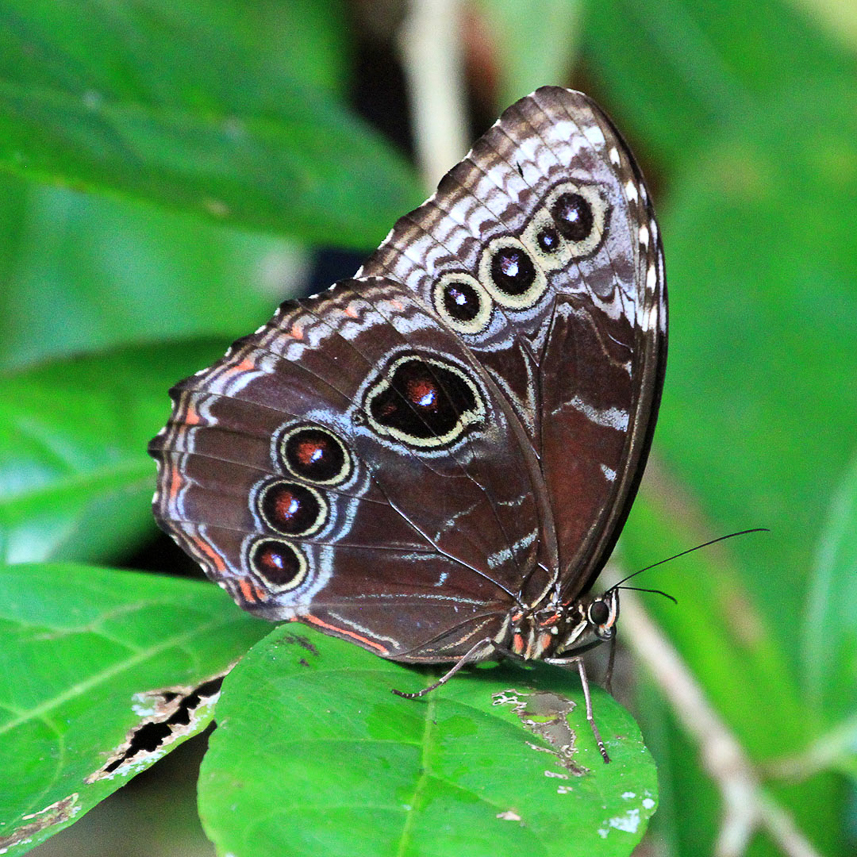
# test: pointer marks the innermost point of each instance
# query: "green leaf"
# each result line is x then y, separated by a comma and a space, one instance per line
314, 754
159, 52
75, 479
210, 129
830, 631
89, 655
675, 71
84, 273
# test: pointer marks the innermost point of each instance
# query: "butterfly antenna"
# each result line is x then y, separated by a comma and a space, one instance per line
653, 591
689, 550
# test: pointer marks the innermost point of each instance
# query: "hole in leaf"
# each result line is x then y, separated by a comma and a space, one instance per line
169, 714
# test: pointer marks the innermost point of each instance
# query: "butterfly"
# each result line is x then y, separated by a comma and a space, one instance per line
435, 458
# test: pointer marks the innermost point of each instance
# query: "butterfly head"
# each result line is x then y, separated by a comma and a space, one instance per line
591, 621
602, 613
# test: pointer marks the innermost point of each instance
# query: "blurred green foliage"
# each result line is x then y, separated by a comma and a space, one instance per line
164, 169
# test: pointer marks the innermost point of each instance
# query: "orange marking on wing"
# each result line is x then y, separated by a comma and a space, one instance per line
192, 417
175, 483
210, 552
246, 365
296, 332
350, 312
246, 590
313, 620
397, 305
544, 641
517, 644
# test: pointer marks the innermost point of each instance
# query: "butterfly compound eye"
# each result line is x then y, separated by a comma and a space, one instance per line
599, 612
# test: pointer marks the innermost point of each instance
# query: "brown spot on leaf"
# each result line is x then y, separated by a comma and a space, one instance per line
298, 640
546, 714
56, 813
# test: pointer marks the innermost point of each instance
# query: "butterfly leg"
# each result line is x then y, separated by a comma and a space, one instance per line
467, 658
589, 716
608, 677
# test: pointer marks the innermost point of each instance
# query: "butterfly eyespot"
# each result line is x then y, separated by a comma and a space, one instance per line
581, 216
509, 273
316, 455
548, 249
548, 240
599, 613
426, 403
512, 270
278, 564
462, 303
573, 216
292, 509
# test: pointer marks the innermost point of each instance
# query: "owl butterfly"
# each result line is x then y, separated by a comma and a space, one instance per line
435, 458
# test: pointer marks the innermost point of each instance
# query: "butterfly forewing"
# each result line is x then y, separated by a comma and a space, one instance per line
580, 355
414, 456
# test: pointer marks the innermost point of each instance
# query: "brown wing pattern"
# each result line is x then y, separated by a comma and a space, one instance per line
581, 359
397, 545
411, 456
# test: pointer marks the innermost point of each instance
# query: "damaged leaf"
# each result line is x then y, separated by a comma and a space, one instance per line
34, 823
546, 714
313, 754
103, 673
169, 716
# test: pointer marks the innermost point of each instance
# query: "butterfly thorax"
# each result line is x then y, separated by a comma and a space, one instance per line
557, 631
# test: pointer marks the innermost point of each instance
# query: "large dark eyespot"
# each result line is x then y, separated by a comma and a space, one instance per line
292, 509
512, 270
278, 563
573, 216
599, 613
462, 303
424, 402
316, 455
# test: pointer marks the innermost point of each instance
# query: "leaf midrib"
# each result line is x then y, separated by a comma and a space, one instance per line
41, 711
422, 778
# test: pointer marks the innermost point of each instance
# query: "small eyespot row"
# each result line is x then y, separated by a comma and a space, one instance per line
294, 506
512, 272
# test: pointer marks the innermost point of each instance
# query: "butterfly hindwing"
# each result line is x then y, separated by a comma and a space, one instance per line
402, 524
